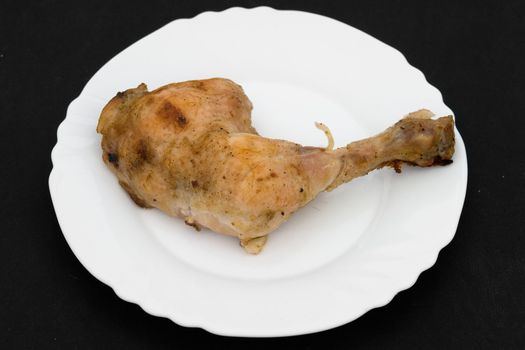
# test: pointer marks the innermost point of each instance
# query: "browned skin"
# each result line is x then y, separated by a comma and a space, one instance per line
189, 149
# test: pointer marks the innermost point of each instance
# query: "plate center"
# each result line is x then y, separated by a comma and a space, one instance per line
315, 235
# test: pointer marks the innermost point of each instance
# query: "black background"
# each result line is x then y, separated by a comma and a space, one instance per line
474, 297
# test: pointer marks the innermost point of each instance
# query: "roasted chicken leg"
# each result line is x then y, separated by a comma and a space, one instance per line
189, 149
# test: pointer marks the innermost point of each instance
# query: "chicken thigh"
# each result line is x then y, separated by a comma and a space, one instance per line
189, 149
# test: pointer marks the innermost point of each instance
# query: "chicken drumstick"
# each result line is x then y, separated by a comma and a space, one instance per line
190, 150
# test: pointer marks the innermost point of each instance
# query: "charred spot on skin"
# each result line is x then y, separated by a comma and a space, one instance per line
282, 213
142, 154
194, 183
181, 120
301, 190
174, 114
143, 151
113, 158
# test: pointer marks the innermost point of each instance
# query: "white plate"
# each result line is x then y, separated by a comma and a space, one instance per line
348, 251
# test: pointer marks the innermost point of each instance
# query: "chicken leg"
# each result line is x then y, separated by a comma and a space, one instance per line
189, 149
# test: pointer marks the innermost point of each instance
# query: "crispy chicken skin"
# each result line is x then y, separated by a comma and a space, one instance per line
189, 149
